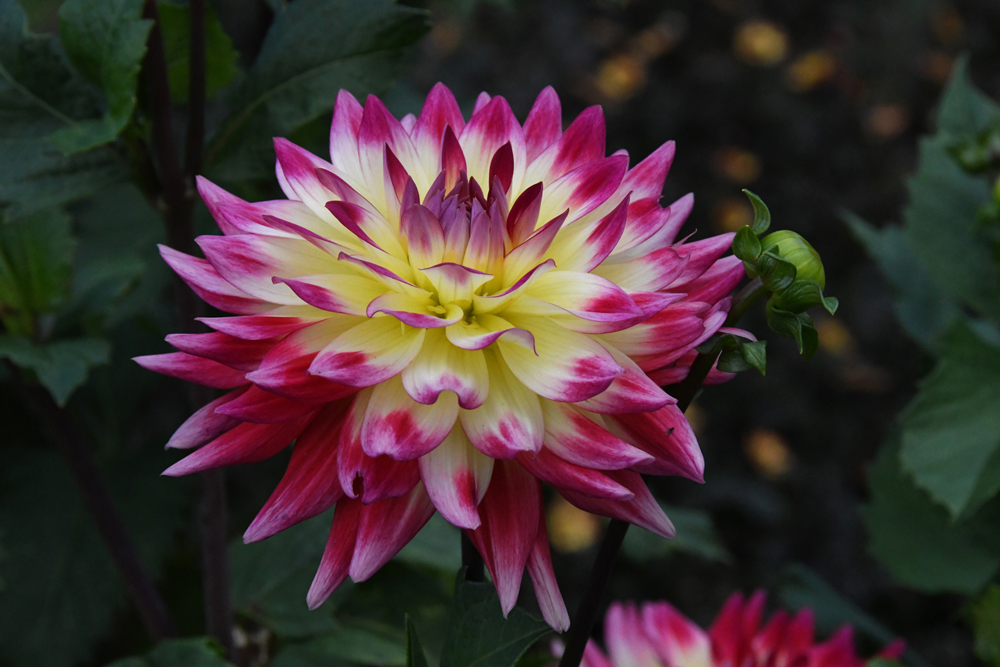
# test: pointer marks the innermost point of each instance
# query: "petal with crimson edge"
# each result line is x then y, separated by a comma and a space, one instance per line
543, 578
676, 639
309, 485
585, 295
399, 427
238, 353
568, 367
441, 366
339, 551
247, 443
666, 434
385, 528
642, 510
580, 144
205, 424
543, 125
262, 407
509, 513
456, 476
630, 392
584, 245
371, 478
440, 111
349, 294
193, 369
488, 129
627, 643
509, 420
562, 474
584, 189
272, 323
371, 352
579, 438
344, 139
207, 283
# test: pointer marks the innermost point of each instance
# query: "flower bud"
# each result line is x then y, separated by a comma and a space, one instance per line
795, 249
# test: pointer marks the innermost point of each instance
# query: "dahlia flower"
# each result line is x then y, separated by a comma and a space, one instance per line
443, 315
657, 635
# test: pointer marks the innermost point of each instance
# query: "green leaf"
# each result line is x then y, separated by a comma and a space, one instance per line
61, 366
106, 41
776, 273
696, 535
437, 545
942, 229
951, 429
359, 643
62, 589
36, 254
220, 56
746, 245
40, 94
270, 579
921, 306
478, 634
916, 540
313, 49
803, 294
415, 656
985, 614
731, 361
755, 354
761, 214
203, 652
965, 110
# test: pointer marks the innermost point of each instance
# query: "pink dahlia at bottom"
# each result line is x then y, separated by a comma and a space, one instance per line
657, 635
442, 316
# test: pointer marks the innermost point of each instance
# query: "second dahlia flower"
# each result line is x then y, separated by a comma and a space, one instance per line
657, 635
441, 316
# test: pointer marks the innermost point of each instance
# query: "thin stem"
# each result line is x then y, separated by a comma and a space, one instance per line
475, 569
600, 574
178, 204
100, 506
195, 143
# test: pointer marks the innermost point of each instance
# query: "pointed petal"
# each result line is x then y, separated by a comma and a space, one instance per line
243, 355
543, 125
642, 510
585, 295
416, 311
209, 285
296, 170
630, 392
718, 281
339, 551
568, 367
627, 644
309, 485
543, 578
488, 129
646, 178
424, 237
456, 476
385, 528
349, 294
401, 428
378, 130
584, 189
205, 424
531, 252
484, 330
583, 246
360, 475
262, 407
581, 143
649, 273
701, 255
455, 282
441, 366
247, 443
509, 420
509, 513
677, 640
193, 369
567, 476
579, 438
369, 353
344, 139
272, 323
440, 111
666, 435
369, 226
250, 262
666, 228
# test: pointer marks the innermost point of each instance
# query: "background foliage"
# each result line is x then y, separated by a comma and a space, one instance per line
863, 485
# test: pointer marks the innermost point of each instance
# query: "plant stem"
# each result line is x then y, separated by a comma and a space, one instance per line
685, 392
475, 569
178, 204
100, 506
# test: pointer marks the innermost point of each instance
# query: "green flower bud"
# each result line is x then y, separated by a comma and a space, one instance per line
796, 250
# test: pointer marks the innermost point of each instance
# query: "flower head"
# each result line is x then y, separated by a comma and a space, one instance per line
442, 315
657, 635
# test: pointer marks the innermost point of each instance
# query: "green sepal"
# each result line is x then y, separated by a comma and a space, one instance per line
761, 215
415, 656
776, 273
802, 295
746, 245
731, 361
797, 326
754, 353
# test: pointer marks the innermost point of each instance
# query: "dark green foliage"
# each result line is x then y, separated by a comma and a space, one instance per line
106, 41
696, 535
478, 633
178, 653
985, 615
220, 56
314, 48
61, 366
414, 651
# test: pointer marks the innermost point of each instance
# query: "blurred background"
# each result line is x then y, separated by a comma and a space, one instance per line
816, 107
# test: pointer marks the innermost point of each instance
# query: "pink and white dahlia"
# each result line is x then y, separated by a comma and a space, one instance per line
443, 315
657, 635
